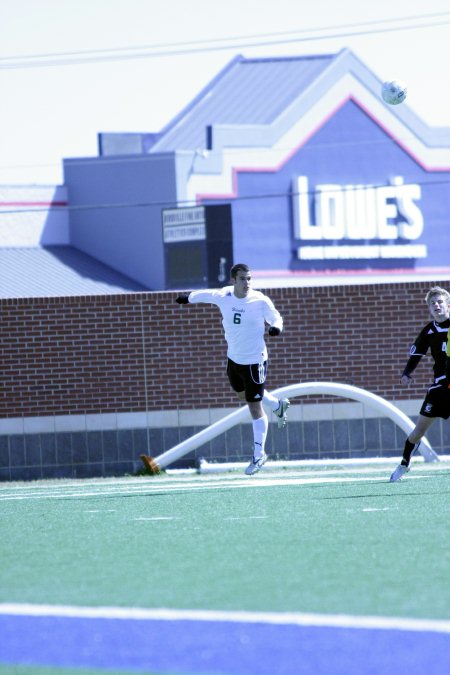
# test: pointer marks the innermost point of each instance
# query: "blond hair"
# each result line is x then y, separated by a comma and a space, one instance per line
437, 290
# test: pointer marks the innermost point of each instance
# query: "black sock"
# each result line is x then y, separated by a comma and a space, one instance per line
408, 451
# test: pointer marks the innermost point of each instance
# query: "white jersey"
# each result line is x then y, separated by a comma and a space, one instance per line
243, 320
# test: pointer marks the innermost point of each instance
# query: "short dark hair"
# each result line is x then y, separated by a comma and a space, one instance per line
239, 267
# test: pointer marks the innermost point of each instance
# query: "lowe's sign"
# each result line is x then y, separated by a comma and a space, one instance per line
348, 222
351, 192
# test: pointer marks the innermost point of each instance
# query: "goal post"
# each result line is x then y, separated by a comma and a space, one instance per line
379, 404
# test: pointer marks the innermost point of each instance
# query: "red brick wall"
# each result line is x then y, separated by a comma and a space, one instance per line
143, 351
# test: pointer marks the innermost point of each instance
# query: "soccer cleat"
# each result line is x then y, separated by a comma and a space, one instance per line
281, 412
256, 464
398, 473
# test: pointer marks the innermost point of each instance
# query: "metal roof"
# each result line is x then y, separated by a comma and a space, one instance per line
58, 271
246, 91
254, 101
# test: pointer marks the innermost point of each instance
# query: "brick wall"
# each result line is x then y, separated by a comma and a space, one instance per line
140, 352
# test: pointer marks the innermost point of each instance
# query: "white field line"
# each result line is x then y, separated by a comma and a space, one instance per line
167, 481
278, 618
336, 466
164, 481
157, 518
261, 481
249, 483
172, 478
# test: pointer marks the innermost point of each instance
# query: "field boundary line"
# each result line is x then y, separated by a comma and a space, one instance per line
279, 618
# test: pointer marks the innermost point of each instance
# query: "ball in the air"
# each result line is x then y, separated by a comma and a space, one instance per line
394, 92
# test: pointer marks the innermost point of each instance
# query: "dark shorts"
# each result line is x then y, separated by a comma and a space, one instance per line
250, 379
436, 402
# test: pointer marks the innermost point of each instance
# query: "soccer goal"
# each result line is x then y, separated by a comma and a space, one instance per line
377, 403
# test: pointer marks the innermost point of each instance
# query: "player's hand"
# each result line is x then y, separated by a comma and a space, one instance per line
182, 299
273, 330
406, 380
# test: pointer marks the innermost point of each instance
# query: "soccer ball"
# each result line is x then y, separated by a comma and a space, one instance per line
394, 92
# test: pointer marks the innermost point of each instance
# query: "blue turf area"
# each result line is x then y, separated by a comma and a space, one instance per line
234, 648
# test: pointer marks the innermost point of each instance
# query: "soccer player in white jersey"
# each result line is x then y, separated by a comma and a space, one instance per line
244, 315
436, 403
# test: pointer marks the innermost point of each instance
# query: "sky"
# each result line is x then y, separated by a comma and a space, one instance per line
139, 69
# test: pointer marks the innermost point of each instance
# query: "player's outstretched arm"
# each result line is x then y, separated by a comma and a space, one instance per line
182, 299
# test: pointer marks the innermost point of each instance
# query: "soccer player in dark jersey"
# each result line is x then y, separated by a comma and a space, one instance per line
436, 404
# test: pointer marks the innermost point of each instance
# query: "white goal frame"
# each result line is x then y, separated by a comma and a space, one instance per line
348, 391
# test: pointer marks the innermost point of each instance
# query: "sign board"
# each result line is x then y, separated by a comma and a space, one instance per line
184, 224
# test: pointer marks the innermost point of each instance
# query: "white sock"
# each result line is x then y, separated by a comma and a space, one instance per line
271, 401
260, 427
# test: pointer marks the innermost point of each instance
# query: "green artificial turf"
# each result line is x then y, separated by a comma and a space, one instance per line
364, 547
49, 670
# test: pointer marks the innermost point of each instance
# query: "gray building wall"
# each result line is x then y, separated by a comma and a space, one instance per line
115, 210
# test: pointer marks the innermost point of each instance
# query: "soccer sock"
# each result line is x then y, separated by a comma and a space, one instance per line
408, 451
271, 401
260, 427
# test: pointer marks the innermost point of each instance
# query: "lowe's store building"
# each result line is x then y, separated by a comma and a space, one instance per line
294, 165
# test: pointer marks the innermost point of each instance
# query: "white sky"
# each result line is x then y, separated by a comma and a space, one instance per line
53, 112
